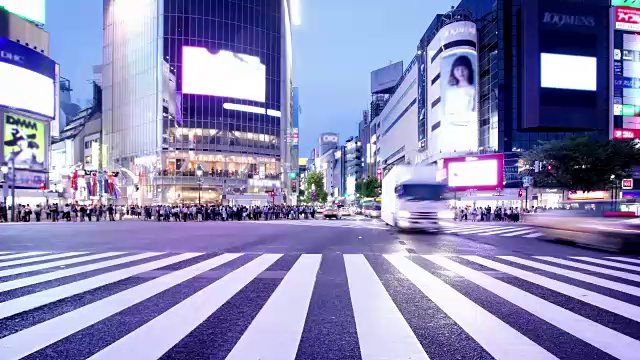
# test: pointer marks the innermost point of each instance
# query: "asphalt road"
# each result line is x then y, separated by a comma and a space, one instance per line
347, 289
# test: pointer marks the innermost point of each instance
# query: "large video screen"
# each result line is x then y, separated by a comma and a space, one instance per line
26, 90
458, 81
224, 73
570, 72
33, 10
483, 172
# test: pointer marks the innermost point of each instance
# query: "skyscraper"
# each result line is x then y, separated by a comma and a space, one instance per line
196, 87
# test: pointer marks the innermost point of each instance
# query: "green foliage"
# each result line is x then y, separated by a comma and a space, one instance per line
315, 178
579, 163
368, 188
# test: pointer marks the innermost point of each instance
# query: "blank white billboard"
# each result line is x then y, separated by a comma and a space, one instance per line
26, 90
473, 173
224, 74
570, 72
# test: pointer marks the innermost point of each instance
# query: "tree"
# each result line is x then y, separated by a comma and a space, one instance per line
301, 196
579, 163
368, 188
315, 178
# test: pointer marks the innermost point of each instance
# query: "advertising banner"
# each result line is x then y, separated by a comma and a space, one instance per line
458, 88
32, 10
24, 142
483, 172
386, 77
627, 18
628, 3
626, 134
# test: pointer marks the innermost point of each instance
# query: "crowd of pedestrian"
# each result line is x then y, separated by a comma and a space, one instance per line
500, 213
194, 212
176, 213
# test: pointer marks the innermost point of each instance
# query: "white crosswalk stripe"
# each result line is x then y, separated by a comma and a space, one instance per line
480, 229
376, 305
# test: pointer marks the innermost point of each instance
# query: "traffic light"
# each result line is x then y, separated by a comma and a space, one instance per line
293, 175
294, 186
549, 167
520, 193
42, 186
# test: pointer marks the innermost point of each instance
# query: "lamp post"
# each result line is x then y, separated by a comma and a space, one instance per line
5, 171
199, 173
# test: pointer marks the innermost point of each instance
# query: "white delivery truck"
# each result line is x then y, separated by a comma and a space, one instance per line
412, 199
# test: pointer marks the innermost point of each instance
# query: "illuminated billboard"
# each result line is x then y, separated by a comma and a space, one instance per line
24, 142
452, 89
629, 3
571, 72
32, 10
28, 79
483, 172
224, 73
627, 18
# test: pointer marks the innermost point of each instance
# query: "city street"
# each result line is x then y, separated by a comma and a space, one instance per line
309, 289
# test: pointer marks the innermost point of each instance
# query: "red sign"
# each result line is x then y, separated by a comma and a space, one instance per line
626, 134
627, 18
627, 184
379, 174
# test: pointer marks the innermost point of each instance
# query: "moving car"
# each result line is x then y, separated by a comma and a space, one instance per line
588, 228
331, 213
345, 211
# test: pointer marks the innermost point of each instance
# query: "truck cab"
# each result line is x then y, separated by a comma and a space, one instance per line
412, 199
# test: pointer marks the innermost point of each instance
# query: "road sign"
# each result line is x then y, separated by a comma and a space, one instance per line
627, 184
527, 181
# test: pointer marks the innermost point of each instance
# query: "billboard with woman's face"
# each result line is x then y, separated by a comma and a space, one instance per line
458, 88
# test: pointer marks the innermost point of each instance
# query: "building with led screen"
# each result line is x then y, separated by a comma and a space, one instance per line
626, 71
28, 100
198, 87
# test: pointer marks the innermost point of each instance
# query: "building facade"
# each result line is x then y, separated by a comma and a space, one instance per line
164, 117
27, 104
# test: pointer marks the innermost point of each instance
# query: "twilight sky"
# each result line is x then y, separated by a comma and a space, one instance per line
335, 49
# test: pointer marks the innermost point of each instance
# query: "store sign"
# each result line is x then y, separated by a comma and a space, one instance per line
627, 184
626, 134
627, 18
564, 20
591, 195
627, 3
617, 54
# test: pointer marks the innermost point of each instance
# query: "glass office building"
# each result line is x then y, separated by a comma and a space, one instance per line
195, 84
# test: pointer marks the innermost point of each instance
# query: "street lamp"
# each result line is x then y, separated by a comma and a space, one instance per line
199, 173
5, 171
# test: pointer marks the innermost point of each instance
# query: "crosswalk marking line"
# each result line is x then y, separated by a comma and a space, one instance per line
577, 275
44, 334
41, 258
153, 339
607, 263
383, 333
36, 279
476, 231
609, 341
620, 258
620, 274
457, 228
604, 302
19, 255
32, 301
498, 231
276, 331
518, 232
24, 269
534, 235
502, 341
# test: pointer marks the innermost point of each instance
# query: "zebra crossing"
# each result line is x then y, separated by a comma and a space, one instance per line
317, 306
483, 229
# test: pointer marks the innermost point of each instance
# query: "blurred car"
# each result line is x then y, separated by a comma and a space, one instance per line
331, 213
345, 211
374, 211
588, 228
